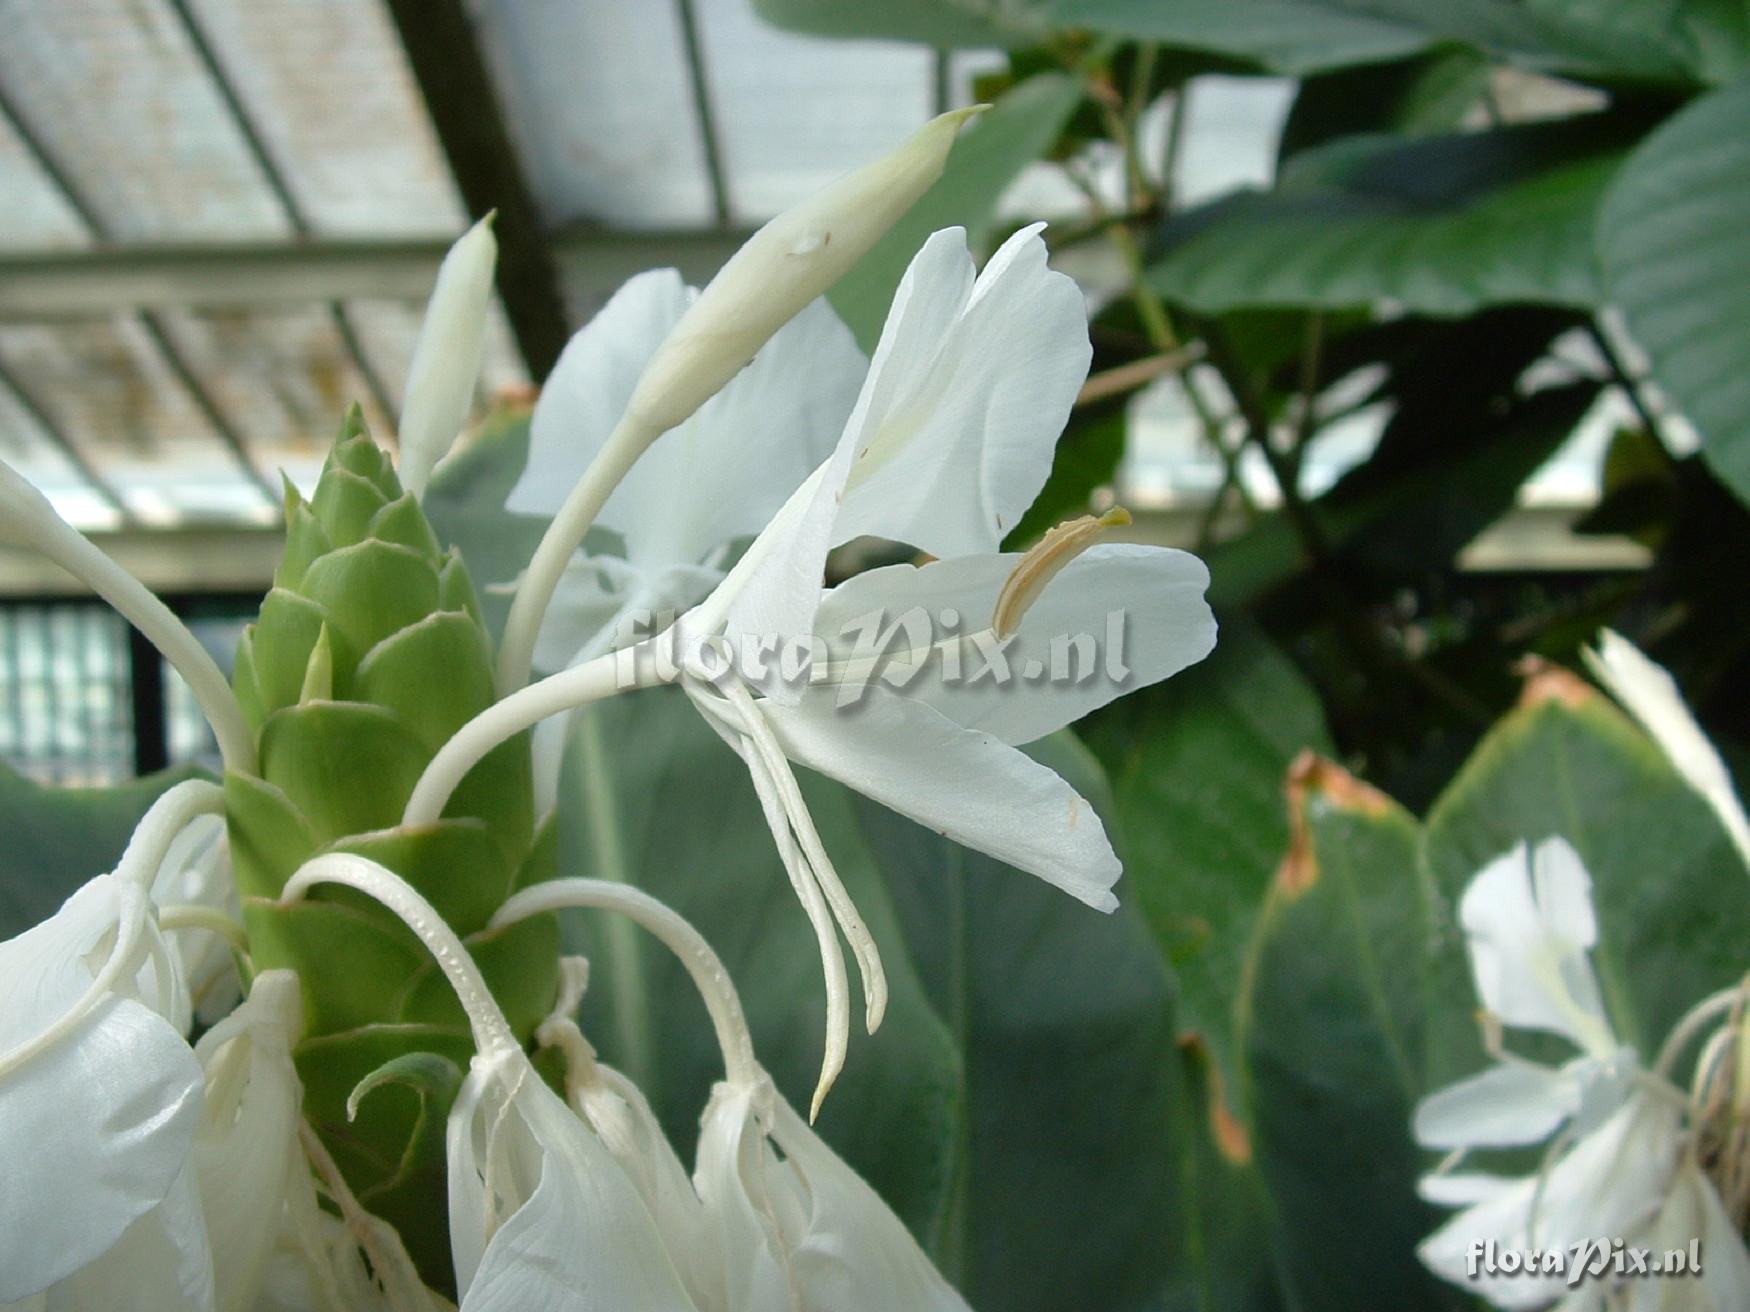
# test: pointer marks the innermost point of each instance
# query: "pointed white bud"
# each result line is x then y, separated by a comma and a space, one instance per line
783, 267
446, 359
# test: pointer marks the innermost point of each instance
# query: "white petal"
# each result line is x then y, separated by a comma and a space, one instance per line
1463, 1188
722, 474
161, 1262
798, 1228
249, 1127
1510, 1103
95, 1127
964, 415
1609, 1183
1652, 697
575, 1237
1529, 959
967, 785
1117, 618
589, 387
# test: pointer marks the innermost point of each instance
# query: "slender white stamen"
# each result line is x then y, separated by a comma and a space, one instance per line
195, 917
676, 934
832, 959
27, 517
492, 1033
534, 593
844, 910
163, 822
123, 960
504, 720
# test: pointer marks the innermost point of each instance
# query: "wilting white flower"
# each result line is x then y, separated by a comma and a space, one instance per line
1652, 696
795, 1227
446, 358
1623, 1164
100, 1095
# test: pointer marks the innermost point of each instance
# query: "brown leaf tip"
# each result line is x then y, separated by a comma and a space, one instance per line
1546, 681
1312, 775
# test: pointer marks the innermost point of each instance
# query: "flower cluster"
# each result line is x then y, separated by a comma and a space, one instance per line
367, 899
1626, 1155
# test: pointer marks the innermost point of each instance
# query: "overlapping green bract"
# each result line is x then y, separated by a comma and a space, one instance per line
368, 654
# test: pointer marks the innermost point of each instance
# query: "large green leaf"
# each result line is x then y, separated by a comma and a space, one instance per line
57, 838
1671, 242
1415, 97
1436, 225
1672, 904
989, 154
940, 23
1338, 989
1599, 39
1197, 765
1068, 1191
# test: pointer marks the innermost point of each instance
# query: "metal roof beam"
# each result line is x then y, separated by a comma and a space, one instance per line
74, 284
444, 52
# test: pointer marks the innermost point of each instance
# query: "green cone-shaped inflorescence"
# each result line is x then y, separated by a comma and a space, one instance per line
368, 654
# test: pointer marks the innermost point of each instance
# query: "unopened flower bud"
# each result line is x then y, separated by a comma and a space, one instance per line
446, 359
783, 267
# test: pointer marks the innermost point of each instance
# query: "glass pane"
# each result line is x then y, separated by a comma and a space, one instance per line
37, 216
119, 99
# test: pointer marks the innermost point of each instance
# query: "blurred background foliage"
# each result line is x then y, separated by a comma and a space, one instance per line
1203, 1100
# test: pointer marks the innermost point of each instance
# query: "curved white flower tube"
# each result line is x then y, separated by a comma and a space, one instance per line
27, 519
541, 1214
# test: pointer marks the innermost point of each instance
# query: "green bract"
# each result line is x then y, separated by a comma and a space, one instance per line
368, 654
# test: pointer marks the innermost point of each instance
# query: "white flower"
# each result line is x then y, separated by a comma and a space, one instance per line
197, 873
796, 1228
719, 476
446, 358
1652, 696
100, 1095
950, 440
1622, 1164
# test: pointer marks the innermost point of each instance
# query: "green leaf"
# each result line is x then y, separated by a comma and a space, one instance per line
989, 154
520, 964
366, 957
939, 23
1437, 225
1673, 915
1295, 37
435, 674
268, 835
280, 642
455, 864
1671, 242
1068, 1186
1584, 38
1197, 765
1419, 96
403, 522
344, 504
654, 798
57, 838
1336, 993
1086, 460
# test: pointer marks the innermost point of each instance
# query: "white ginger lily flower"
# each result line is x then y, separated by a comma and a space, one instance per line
1622, 1163
951, 439
797, 1228
197, 873
100, 1095
542, 1216
774, 1221
1652, 697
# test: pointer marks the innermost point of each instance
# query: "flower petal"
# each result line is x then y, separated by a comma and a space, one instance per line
591, 383
967, 785
1529, 956
1510, 1103
1653, 698
162, 1261
963, 413
1117, 618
